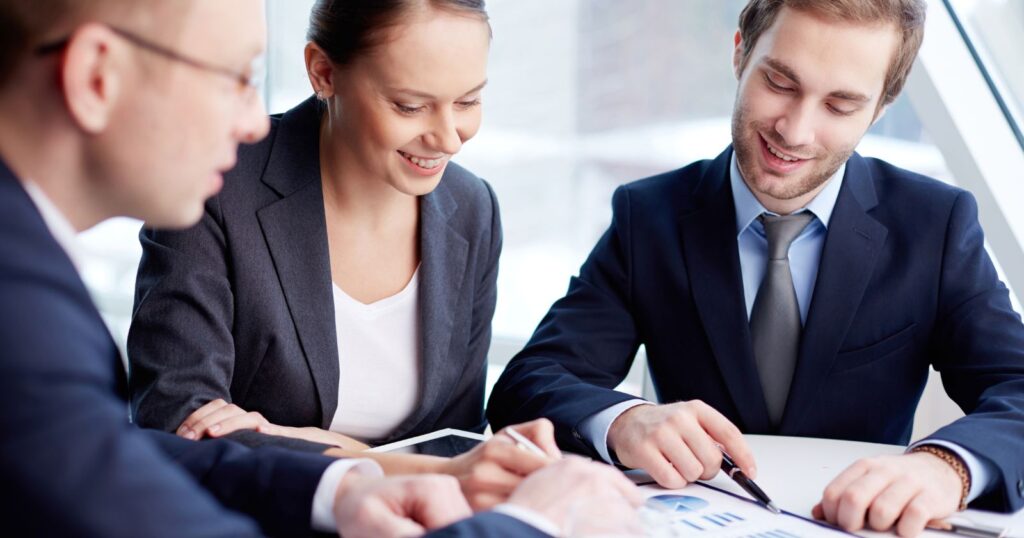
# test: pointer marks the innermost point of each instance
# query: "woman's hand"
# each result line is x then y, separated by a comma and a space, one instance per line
491, 471
219, 418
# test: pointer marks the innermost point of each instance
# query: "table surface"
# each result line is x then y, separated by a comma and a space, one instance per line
793, 471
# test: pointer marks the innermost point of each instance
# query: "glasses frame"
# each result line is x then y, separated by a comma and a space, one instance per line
245, 81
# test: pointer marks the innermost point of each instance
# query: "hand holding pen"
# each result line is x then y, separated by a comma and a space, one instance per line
536, 437
490, 471
748, 485
678, 443
526, 444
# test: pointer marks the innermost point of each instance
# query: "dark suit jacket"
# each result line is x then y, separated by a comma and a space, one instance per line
72, 464
904, 282
240, 307
488, 525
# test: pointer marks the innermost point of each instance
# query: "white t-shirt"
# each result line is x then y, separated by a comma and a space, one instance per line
379, 348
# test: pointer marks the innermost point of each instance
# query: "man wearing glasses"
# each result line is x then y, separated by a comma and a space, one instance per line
140, 116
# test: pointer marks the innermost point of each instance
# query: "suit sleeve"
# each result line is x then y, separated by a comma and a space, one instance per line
488, 525
180, 346
72, 463
582, 348
978, 347
273, 485
181, 349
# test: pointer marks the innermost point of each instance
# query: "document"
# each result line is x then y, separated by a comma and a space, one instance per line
705, 511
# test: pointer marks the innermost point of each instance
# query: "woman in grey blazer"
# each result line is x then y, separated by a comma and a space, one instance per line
349, 208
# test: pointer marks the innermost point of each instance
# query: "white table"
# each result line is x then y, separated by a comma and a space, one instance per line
794, 471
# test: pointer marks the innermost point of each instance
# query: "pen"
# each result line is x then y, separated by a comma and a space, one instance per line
747, 484
524, 443
966, 527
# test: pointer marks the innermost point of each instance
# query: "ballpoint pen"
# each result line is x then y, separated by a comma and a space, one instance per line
965, 527
746, 483
524, 443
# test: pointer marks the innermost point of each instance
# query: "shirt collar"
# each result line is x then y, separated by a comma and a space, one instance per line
748, 208
60, 227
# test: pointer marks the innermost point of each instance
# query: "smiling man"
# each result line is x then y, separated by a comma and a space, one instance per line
791, 286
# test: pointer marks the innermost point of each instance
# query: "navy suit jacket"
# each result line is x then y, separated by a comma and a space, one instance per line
72, 464
240, 307
904, 283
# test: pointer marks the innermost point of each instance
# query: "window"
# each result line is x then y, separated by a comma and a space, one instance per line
995, 31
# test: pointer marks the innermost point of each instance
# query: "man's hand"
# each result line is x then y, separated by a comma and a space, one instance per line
397, 506
905, 491
556, 490
491, 471
678, 443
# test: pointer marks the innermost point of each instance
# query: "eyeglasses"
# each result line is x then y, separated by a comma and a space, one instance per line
247, 82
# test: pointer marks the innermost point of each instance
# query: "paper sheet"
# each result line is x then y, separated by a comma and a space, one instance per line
700, 510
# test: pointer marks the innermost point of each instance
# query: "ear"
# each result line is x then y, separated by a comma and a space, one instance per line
737, 54
320, 69
91, 76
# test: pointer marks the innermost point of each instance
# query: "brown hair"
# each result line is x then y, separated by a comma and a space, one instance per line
907, 15
27, 24
346, 29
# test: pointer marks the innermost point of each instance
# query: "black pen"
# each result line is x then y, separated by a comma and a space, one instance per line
747, 484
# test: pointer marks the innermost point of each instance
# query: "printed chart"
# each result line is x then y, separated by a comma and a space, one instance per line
701, 511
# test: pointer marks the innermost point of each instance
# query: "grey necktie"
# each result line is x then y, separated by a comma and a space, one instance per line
775, 319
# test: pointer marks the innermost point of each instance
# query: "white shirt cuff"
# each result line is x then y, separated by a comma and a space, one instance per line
981, 472
530, 517
327, 489
594, 428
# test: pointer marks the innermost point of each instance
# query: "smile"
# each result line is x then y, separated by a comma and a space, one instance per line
426, 164
785, 157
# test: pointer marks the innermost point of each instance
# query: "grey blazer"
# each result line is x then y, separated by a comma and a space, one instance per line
240, 306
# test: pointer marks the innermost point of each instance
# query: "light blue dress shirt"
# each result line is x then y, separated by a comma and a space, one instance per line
804, 251
804, 258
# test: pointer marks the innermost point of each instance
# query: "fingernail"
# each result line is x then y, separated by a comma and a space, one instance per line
190, 435
215, 428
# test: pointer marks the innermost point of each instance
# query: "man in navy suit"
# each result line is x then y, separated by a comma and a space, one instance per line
136, 107
791, 286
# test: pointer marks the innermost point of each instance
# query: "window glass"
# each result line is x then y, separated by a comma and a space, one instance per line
996, 30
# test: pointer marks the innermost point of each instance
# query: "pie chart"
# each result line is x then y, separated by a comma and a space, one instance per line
679, 503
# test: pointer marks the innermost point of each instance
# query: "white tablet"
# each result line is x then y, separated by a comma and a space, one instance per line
447, 442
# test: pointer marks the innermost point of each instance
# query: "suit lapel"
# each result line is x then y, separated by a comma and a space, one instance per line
443, 254
847, 261
294, 228
712, 261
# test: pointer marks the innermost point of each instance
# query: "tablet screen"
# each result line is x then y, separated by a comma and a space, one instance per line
447, 446
446, 443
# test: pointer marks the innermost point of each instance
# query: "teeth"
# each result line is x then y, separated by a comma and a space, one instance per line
423, 163
781, 156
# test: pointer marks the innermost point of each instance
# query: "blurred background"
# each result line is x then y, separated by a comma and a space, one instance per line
585, 95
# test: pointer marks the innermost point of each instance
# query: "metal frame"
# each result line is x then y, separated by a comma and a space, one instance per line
960, 107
